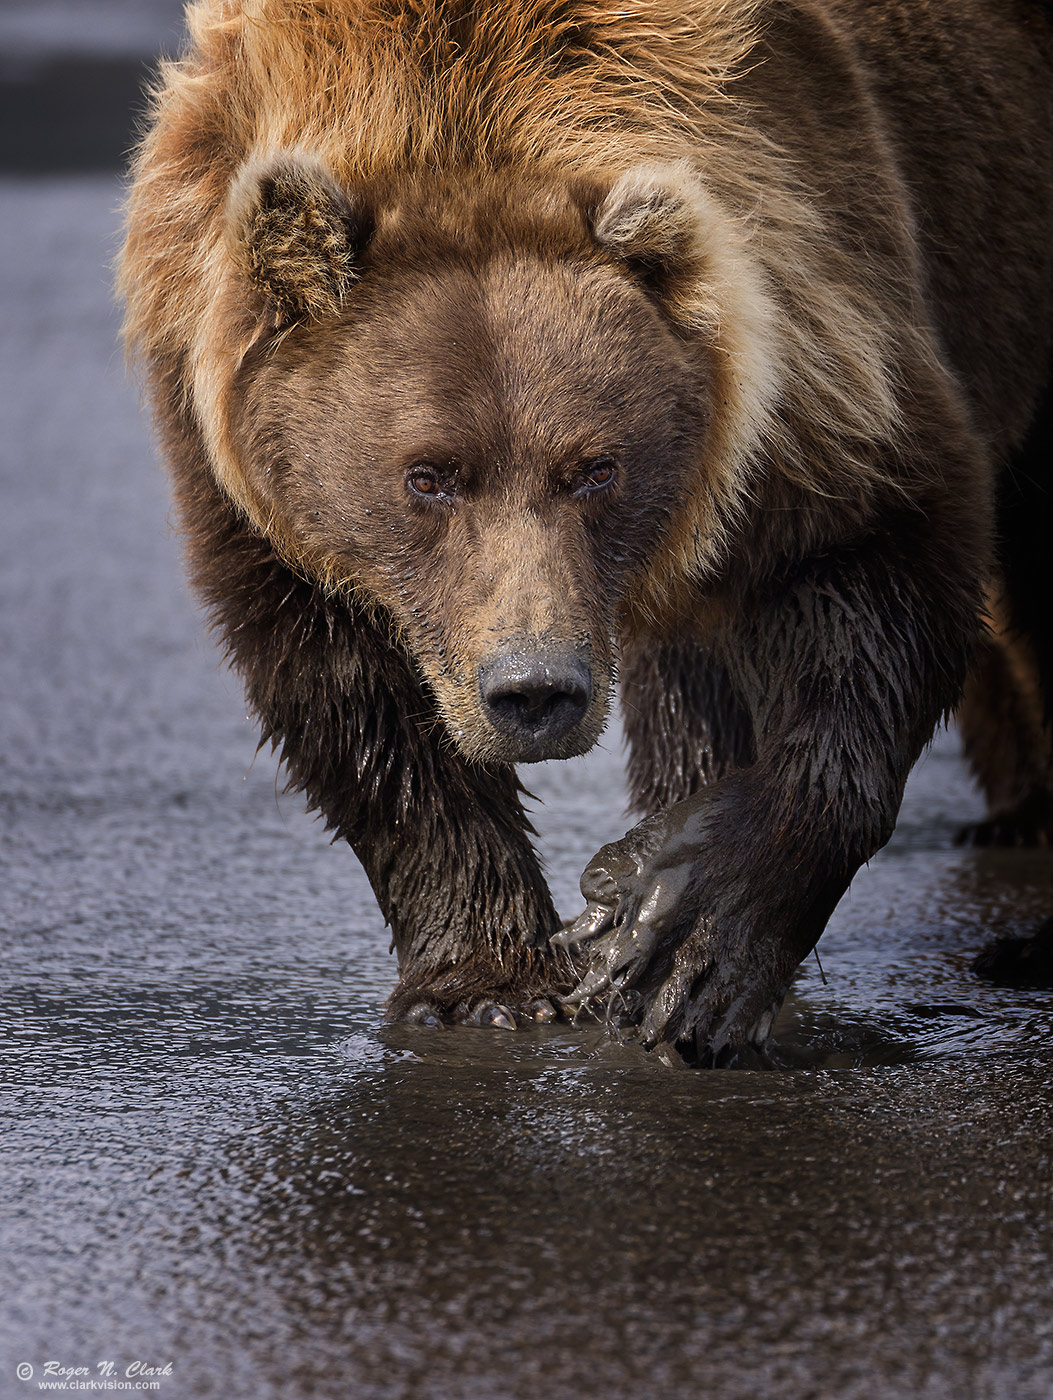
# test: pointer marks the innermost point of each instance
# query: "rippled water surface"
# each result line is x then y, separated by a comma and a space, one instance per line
216, 1155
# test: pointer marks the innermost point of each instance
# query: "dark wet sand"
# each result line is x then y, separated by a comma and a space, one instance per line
217, 1156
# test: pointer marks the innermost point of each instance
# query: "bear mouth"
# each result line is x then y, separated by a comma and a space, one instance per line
558, 737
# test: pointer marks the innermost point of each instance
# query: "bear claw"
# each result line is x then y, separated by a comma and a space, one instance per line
494, 1016
542, 1011
534, 1009
423, 1015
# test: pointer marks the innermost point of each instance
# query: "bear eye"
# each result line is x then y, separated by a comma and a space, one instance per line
424, 479
596, 475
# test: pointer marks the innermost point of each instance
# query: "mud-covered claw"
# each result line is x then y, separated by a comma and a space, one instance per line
593, 921
595, 982
589, 924
503, 1009
423, 1014
493, 1015
542, 1011
670, 1056
615, 960
760, 1032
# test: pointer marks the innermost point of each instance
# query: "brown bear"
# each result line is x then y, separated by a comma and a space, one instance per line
500, 348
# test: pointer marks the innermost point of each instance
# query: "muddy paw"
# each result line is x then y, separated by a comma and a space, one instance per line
485, 1012
659, 959
711, 1006
696, 1003
635, 893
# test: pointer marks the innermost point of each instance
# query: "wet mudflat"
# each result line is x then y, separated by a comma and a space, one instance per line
217, 1156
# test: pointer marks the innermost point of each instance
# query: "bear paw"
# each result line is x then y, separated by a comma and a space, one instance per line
487, 1013
704, 1008
656, 960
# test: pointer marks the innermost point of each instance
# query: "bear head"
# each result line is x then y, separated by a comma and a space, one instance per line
482, 406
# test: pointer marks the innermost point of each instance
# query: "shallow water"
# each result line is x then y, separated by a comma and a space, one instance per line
217, 1156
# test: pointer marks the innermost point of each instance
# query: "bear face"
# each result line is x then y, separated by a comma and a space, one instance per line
484, 438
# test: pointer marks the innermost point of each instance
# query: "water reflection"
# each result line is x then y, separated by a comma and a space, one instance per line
537, 1221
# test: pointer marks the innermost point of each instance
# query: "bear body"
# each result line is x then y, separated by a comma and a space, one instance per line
498, 349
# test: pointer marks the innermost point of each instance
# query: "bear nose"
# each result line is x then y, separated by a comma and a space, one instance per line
535, 696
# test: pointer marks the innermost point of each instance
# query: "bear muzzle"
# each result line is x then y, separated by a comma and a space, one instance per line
535, 698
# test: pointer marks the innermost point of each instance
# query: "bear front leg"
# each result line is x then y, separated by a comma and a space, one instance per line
445, 844
697, 919
684, 724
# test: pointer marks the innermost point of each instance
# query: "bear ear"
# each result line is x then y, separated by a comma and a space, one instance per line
296, 235
650, 218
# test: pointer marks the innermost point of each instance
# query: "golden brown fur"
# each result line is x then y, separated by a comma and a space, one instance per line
802, 346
